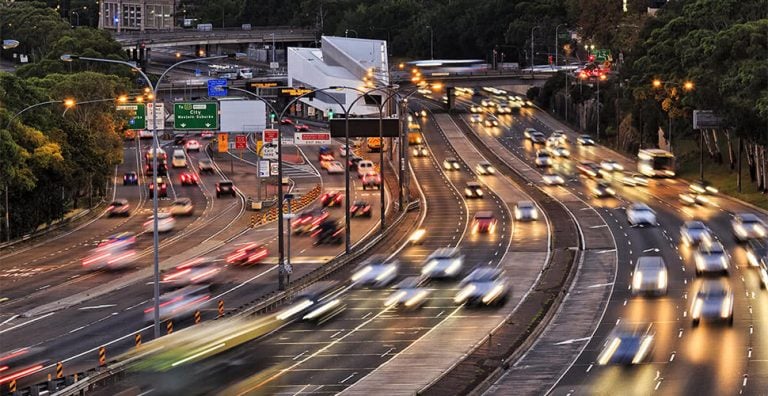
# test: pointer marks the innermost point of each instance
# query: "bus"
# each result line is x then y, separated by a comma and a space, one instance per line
656, 163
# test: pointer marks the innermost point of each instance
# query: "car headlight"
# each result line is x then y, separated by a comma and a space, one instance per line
725, 309
739, 230
517, 214
361, 273
467, 192
760, 230
416, 299
464, 293
479, 193
534, 214
455, 165
428, 267
637, 281
491, 170
752, 259
386, 273
645, 346
699, 262
454, 267
696, 309
724, 261
493, 294
661, 284
394, 298
607, 353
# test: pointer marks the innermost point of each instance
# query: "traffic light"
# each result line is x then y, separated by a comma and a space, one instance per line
550, 59
330, 114
591, 58
272, 116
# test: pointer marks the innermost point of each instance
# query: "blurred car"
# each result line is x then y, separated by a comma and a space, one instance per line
589, 169
475, 109
308, 220
162, 168
225, 187
552, 179
491, 122
528, 133
702, 187
443, 263
485, 168
165, 223
603, 190
188, 179
318, 303
711, 258
334, 167
543, 159
286, 121
693, 199
364, 167
552, 142
325, 154
205, 165
526, 211
371, 180
19, 363
328, 232
713, 301
360, 209
641, 214
487, 103
343, 150
417, 236
501, 109
178, 138
483, 286
115, 253
560, 152
633, 179
206, 134
473, 190
585, 140
748, 226
538, 138
192, 145
130, 178
162, 188
251, 253
757, 251
198, 271
182, 207
353, 160
626, 345
375, 272
408, 294
331, 198
179, 303
484, 222
451, 163
611, 166
694, 232
420, 151
476, 118
561, 137
650, 276
301, 127
119, 207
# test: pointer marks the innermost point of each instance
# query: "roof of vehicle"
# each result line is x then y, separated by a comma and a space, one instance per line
525, 204
224, 182
474, 184
182, 201
747, 217
650, 262
484, 215
444, 253
120, 201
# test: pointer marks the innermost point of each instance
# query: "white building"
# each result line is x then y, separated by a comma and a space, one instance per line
341, 61
138, 15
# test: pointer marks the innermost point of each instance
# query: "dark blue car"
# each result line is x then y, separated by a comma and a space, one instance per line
130, 178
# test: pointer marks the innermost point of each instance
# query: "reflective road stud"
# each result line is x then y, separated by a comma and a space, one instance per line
102, 356
169, 326
197, 316
137, 337
59, 370
221, 308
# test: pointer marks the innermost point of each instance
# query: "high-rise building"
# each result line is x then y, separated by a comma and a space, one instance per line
138, 15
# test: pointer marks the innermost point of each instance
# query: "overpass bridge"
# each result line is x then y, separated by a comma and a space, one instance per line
217, 37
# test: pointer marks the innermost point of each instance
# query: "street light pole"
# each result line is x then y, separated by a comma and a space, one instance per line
556, 40
155, 150
431, 43
532, 42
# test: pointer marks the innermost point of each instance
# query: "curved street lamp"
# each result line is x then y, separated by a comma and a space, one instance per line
661, 84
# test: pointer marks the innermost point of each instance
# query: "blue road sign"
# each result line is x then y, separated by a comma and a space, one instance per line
217, 88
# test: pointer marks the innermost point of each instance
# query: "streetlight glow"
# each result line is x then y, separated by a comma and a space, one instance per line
69, 102
656, 83
688, 86
122, 98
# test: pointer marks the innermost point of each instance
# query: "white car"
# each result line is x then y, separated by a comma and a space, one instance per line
179, 303
197, 271
650, 276
626, 345
632, 179
165, 223
375, 272
553, 179
443, 263
711, 258
451, 163
694, 232
543, 159
483, 286
334, 167
611, 166
560, 152
641, 214
585, 140
560, 136
192, 145
713, 301
552, 141
182, 207
420, 151
748, 226
408, 294
476, 118
526, 211
485, 168
343, 151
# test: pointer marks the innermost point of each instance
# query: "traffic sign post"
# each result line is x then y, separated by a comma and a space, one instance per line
137, 113
269, 151
240, 142
223, 142
270, 135
193, 116
159, 109
312, 138
217, 87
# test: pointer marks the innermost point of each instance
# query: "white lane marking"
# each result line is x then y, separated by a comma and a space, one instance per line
300, 355
98, 307
77, 329
600, 285
599, 226
572, 340
27, 322
348, 378
9, 319
651, 250
606, 251
391, 349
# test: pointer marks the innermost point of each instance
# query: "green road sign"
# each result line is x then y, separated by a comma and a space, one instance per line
195, 116
138, 114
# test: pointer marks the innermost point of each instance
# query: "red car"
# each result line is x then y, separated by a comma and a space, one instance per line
286, 121
484, 222
163, 188
360, 209
301, 127
188, 179
249, 254
308, 221
372, 180
332, 198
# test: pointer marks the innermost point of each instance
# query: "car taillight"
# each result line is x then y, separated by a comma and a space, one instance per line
339, 198
324, 197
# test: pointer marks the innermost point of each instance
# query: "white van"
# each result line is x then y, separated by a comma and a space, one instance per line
364, 167
179, 159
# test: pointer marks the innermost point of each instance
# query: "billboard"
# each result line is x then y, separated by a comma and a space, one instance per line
243, 115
